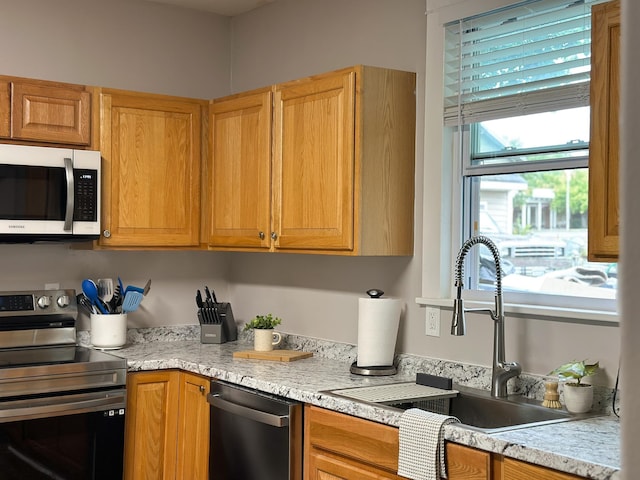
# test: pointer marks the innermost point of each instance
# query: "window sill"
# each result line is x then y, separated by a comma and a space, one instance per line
573, 315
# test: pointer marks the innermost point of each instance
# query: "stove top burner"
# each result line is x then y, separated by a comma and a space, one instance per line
57, 355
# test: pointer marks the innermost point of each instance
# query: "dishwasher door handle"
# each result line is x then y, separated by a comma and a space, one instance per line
246, 412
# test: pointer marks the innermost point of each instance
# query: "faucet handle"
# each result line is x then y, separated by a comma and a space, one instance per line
513, 367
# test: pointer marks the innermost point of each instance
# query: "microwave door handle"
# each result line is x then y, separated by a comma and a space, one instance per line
68, 216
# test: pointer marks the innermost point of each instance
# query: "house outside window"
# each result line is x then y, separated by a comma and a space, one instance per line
516, 99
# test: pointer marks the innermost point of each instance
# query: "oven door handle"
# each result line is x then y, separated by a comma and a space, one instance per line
257, 415
56, 406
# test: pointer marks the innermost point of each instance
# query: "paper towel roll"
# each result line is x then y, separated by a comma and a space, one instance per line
378, 320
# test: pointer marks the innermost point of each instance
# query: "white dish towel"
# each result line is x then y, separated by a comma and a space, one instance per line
421, 454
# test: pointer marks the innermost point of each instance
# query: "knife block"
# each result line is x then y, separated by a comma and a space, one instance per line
225, 331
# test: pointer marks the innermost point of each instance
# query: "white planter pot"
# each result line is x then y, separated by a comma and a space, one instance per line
578, 399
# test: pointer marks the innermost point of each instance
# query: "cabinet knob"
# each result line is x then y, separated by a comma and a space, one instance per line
274, 235
261, 235
202, 389
106, 233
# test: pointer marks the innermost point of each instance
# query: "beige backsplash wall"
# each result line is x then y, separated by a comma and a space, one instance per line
151, 47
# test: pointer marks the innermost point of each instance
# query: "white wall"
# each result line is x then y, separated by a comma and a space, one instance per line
125, 44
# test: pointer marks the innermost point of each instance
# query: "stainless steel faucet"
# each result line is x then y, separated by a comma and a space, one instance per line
502, 370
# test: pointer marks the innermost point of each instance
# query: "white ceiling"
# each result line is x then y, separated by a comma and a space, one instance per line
221, 7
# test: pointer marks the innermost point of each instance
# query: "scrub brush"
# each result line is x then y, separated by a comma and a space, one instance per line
551, 395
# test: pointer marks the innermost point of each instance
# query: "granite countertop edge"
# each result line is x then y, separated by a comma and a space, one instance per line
588, 448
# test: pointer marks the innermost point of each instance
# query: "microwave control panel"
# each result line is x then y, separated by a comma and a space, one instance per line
86, 195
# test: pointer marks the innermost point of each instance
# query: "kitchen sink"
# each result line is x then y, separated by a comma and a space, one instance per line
476, 409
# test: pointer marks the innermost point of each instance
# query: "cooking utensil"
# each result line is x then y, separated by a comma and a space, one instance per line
131, 301
105, 289
84, 302
147, 287
90, 289
116, 299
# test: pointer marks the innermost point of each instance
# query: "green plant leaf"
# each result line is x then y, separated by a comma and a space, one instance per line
263, 322
575, 370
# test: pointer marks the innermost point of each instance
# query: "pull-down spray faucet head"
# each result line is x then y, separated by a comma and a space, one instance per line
458, 323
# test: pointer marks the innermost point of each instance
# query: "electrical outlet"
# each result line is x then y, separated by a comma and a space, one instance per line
433, 322
52, 286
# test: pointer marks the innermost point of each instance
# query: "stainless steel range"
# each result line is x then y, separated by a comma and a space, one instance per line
62, 406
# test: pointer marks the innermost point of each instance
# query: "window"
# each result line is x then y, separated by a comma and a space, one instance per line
517, 99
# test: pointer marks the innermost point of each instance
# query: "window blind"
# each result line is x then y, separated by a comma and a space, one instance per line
531, 57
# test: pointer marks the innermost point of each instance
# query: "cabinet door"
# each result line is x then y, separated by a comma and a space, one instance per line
193, 428
313, 178
5, 109
151, 425
357, 441
465, 463
516, 470
50, 113
325, 467
151, 170
240, 174
604, 206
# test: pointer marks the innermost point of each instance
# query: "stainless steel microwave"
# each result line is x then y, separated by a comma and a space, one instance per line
49, 194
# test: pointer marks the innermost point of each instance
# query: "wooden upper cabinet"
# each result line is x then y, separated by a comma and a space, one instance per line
5, 108
604, 157
239, 177
314, 163
150, 146
41, 111
340, 165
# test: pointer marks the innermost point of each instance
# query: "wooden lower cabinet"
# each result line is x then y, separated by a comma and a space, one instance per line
167, 426
511, 469
465, 463
342, 447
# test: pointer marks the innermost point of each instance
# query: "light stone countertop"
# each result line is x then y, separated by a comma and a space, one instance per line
589, 448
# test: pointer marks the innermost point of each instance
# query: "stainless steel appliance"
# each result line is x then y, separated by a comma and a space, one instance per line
48, 194
62, 407
254, 435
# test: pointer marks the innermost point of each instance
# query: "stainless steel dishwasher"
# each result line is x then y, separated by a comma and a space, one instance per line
254, 435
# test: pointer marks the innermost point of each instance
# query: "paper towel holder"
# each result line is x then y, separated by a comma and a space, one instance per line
378, 370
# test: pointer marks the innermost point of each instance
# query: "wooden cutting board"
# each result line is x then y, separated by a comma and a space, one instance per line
274, 355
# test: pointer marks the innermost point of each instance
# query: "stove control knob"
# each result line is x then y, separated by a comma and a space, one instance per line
63, 301
44, 302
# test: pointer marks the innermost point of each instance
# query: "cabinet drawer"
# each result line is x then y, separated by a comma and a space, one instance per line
361, 440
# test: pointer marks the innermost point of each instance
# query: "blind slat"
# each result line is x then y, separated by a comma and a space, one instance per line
537, 101
530, 58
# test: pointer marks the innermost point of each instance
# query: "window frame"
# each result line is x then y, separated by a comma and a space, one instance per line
442, 233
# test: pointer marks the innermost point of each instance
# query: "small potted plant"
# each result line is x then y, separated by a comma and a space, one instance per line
264, 338
578, 396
